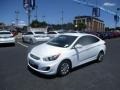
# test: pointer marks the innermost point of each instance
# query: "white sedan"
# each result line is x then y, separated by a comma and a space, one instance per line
35, 36
61, 54
6, 37
53, 34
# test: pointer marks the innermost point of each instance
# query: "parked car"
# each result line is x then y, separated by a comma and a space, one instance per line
6, 37
61, 54
53, 34
34, 36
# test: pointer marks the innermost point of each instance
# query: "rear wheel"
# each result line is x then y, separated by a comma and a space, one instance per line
31, 41
64, 68
23, 40
100, 56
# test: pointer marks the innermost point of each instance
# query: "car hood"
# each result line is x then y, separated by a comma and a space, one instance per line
45, 50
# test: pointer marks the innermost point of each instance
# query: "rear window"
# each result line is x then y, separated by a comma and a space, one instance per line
5, 33
39, 32
52, 33
29, 33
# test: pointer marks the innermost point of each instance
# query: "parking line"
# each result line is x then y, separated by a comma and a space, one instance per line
22, 44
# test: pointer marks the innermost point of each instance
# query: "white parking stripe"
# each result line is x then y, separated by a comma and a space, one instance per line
22, 44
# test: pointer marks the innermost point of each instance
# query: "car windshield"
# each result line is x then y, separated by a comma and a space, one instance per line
52, 33
39, 33
5, 33
29, 33
62, 41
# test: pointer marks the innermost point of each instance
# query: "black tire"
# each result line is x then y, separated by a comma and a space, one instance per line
23, 40
64, 68
100, 56
31, 41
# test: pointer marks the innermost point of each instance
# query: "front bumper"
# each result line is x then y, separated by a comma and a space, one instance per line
47, 68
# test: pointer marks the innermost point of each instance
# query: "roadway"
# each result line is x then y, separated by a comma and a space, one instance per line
14, 74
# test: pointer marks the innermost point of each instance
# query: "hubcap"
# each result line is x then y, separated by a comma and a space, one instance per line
65, 68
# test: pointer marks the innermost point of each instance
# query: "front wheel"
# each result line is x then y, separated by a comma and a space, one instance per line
100, 57
31, 41
64, 68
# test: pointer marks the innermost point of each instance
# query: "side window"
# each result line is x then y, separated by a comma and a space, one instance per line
51, 33
29, 33
94, 39
86, 40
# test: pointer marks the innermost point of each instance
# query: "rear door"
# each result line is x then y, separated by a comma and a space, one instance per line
28, 36
89, 48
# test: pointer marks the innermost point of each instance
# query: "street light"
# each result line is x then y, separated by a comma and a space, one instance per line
116, 17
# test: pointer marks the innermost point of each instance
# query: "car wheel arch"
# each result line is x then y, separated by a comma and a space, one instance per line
101, 52
64, 60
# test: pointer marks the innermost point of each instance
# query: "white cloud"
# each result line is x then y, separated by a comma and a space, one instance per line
109, 4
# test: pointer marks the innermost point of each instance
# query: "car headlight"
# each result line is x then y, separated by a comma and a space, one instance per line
51, 58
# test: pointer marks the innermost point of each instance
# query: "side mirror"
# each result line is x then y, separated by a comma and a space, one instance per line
78, 46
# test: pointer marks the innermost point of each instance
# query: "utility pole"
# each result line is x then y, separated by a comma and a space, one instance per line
29, 16
17, 17
36, 13
29, 5
116, 17
43, 18
62, 18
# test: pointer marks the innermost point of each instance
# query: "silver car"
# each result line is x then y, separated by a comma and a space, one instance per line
35, 36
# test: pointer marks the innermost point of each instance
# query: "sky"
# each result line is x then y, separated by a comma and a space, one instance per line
51, 11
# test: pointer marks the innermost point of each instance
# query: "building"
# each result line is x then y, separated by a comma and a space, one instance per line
92, 24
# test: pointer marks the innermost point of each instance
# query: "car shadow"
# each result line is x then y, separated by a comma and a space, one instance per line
6, 45
56, 76
41, 75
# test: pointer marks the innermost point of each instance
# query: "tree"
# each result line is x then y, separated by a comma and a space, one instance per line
37, 24
68, 26
80, 26
43, 24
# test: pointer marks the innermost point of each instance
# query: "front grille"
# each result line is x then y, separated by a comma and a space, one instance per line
34, 57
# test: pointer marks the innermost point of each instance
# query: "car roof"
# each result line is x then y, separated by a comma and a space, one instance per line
4, 31
77, 34
35, 31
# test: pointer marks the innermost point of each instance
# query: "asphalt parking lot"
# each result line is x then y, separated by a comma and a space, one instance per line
14, 74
